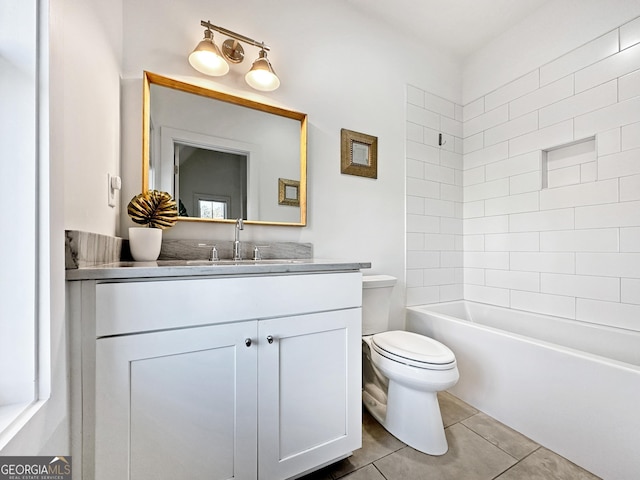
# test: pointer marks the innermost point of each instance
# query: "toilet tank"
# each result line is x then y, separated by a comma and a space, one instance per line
376, 300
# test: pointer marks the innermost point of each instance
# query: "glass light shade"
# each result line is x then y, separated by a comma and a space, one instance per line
262, 76
207, 58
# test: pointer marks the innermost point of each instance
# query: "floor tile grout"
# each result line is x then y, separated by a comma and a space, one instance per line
382, 443
494, 444
516, 464
517, 461
372, 463
381, 474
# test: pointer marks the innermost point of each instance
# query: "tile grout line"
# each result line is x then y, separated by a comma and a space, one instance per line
495, 444
376, 467
517, 462
404, 445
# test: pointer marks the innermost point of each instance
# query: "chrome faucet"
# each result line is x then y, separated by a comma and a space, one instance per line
237, 246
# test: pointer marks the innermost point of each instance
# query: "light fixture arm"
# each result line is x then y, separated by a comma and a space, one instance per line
235, 35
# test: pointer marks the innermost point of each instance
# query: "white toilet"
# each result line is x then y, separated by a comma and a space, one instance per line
402, 373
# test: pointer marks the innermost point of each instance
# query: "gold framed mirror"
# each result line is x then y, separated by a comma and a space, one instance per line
222, 156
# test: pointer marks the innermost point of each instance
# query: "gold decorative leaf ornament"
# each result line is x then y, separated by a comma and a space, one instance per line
153, 208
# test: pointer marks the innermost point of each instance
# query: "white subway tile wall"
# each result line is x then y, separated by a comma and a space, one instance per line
630, 33
629, 85
598, 49
631, 133
528, 182
572, 248
434, 198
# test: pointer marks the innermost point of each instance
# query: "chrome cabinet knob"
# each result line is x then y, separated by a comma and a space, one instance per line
247, 342
269, 339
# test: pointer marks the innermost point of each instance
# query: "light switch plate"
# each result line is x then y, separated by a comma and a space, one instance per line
113, 183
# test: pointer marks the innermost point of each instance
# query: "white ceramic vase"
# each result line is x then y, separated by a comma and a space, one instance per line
145, 243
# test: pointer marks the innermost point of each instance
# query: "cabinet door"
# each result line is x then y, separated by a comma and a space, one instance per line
309, 383
177, 404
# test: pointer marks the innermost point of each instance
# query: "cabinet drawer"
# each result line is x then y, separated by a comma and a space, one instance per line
131, 307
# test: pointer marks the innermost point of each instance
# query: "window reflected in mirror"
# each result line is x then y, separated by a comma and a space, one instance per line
210, 183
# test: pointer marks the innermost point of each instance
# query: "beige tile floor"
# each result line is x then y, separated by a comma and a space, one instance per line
480, 448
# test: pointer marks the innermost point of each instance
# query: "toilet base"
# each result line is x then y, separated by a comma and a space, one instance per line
423, 431
377, 409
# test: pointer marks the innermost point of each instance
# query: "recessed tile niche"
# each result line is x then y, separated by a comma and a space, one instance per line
570, 164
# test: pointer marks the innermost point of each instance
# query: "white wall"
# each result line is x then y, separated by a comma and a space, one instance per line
571, 249
326, 55
86, 93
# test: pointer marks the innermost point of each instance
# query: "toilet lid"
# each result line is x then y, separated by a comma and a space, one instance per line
413, 349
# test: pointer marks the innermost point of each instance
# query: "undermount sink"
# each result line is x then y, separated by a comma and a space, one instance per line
271, 261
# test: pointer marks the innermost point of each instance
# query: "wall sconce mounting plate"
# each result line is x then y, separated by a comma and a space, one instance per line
232, 50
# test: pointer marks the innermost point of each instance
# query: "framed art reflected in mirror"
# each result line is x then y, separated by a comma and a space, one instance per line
288, 192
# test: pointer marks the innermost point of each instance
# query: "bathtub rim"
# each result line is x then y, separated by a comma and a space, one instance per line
531, 340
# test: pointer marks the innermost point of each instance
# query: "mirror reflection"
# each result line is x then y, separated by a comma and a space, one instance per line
210, 183
222, 157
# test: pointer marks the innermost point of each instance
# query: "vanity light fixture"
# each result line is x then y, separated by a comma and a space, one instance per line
207, 58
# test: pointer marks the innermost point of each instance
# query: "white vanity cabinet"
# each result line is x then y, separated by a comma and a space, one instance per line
309, 391
176, 404
243, 377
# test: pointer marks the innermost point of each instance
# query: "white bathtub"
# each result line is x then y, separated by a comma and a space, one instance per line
570, 386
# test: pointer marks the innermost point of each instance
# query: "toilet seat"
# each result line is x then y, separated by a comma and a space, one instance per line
414, 350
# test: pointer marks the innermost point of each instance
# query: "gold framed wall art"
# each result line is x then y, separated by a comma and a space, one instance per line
358, 154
